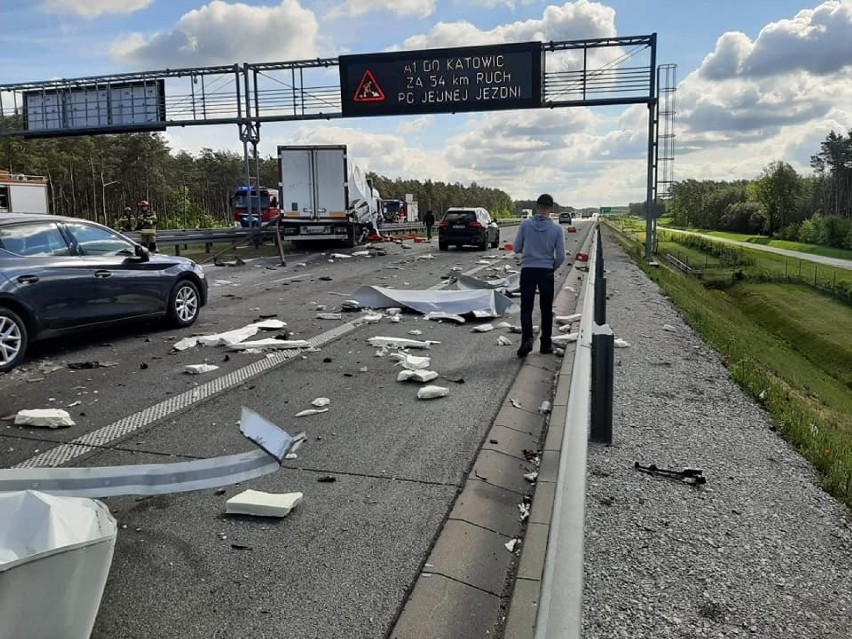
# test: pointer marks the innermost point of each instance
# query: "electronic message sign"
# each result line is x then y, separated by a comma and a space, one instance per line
442, 80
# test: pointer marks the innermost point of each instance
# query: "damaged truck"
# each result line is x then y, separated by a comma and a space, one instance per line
324, 198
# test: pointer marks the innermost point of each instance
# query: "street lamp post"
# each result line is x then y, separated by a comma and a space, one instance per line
103, 197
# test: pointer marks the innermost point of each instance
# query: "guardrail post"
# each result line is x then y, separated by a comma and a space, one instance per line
177, 249
603, 369
208, 247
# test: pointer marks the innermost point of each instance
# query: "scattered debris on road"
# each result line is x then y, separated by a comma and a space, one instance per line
516, 403
502, 340
421, 376
327, 479
311, 411
482, 328
321, 402
262, 504
531, 477
270, 344
44, 418
693, 476
76, 366
432, 392
620, 343
512, 545
200, 369
399, 342
565, 339
411, 362
545, 407
438, 316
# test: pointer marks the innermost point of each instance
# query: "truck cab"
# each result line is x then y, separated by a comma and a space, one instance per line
253, 205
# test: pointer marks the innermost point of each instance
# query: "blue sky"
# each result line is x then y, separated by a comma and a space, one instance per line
759, 79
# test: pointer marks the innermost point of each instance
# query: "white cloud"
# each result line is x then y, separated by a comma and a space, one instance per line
95, 8
354, 8
224, 33
817, 41
571, 21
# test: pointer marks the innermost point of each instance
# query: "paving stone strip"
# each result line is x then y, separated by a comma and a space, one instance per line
758, 551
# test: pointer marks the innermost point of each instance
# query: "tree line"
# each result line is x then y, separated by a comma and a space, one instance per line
95, 177
780, 202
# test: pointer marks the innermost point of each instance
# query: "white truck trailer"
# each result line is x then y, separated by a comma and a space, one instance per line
324, 197
21, 193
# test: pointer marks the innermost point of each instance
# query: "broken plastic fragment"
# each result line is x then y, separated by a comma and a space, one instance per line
669, 327
531, 477
516, 403
502, 340
261, 504
330, 316
482, 328
420, 376
371, 318
544, 409
620, 343
321, 402
565, 339
512, 544
411, 362
440, 316
270, 324
399, 342
44, 418
199, 369
262, 344
415, 332
185, 343
432, 392
503, 325
568, 319
311, 411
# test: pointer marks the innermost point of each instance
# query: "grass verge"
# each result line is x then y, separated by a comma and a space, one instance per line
787, 345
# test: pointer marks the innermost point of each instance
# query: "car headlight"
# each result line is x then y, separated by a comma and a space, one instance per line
199, 271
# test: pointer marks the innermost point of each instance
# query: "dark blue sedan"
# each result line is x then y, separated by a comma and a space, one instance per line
59, 274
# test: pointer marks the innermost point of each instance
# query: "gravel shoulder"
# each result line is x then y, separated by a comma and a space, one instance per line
759, 551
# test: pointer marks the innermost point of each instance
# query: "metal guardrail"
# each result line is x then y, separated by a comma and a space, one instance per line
210, 236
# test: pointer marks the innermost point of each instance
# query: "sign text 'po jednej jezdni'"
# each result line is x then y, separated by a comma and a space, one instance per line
442, 80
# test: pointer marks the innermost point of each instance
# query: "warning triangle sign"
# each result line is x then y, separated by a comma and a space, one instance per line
368, 89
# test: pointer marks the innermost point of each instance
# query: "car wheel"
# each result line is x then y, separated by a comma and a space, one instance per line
496, 241
483, 245
13, 339
184, 303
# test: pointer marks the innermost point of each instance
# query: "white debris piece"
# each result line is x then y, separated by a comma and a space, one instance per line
432, 392
669, 327
512, 544
565, 339
569, 288
352, 305
371, 318
415, 332
340, 256
525, 511
261, 504
503, 325
311, 411
620, 343
399, 342
229, 338
321, 402
185, 343
363, 369
428, 256
43, 418
565, 328
393, 311
394, 319
502, 340
486, 262
199, 369
440, 316
270, 344
531, 477
270, 324
361, 254
516, 403
544, 409
330, 316
482, 328
568, 319
420, 376
411, 362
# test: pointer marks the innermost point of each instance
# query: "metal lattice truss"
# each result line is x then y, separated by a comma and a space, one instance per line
576, 73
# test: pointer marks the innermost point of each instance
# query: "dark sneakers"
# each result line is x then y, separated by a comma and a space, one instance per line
546, 348
525, 348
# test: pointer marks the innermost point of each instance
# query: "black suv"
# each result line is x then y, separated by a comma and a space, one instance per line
472, 226
59, 274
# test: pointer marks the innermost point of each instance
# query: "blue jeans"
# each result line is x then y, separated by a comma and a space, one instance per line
542, 279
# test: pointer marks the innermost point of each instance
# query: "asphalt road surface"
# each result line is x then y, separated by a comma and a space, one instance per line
342, 563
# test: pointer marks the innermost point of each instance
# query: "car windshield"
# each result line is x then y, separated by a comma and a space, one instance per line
454, 217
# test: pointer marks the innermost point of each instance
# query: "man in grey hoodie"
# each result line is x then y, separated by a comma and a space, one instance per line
541, 243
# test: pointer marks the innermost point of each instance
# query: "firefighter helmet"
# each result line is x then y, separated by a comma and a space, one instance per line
144, 203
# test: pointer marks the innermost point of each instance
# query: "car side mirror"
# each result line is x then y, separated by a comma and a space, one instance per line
141, 253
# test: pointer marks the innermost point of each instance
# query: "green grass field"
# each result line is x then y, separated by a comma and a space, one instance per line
801, 247
790, 346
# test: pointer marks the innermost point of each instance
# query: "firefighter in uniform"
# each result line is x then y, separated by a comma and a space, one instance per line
126, 222
148, 226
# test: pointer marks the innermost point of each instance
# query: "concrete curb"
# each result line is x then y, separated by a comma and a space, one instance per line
463, 587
